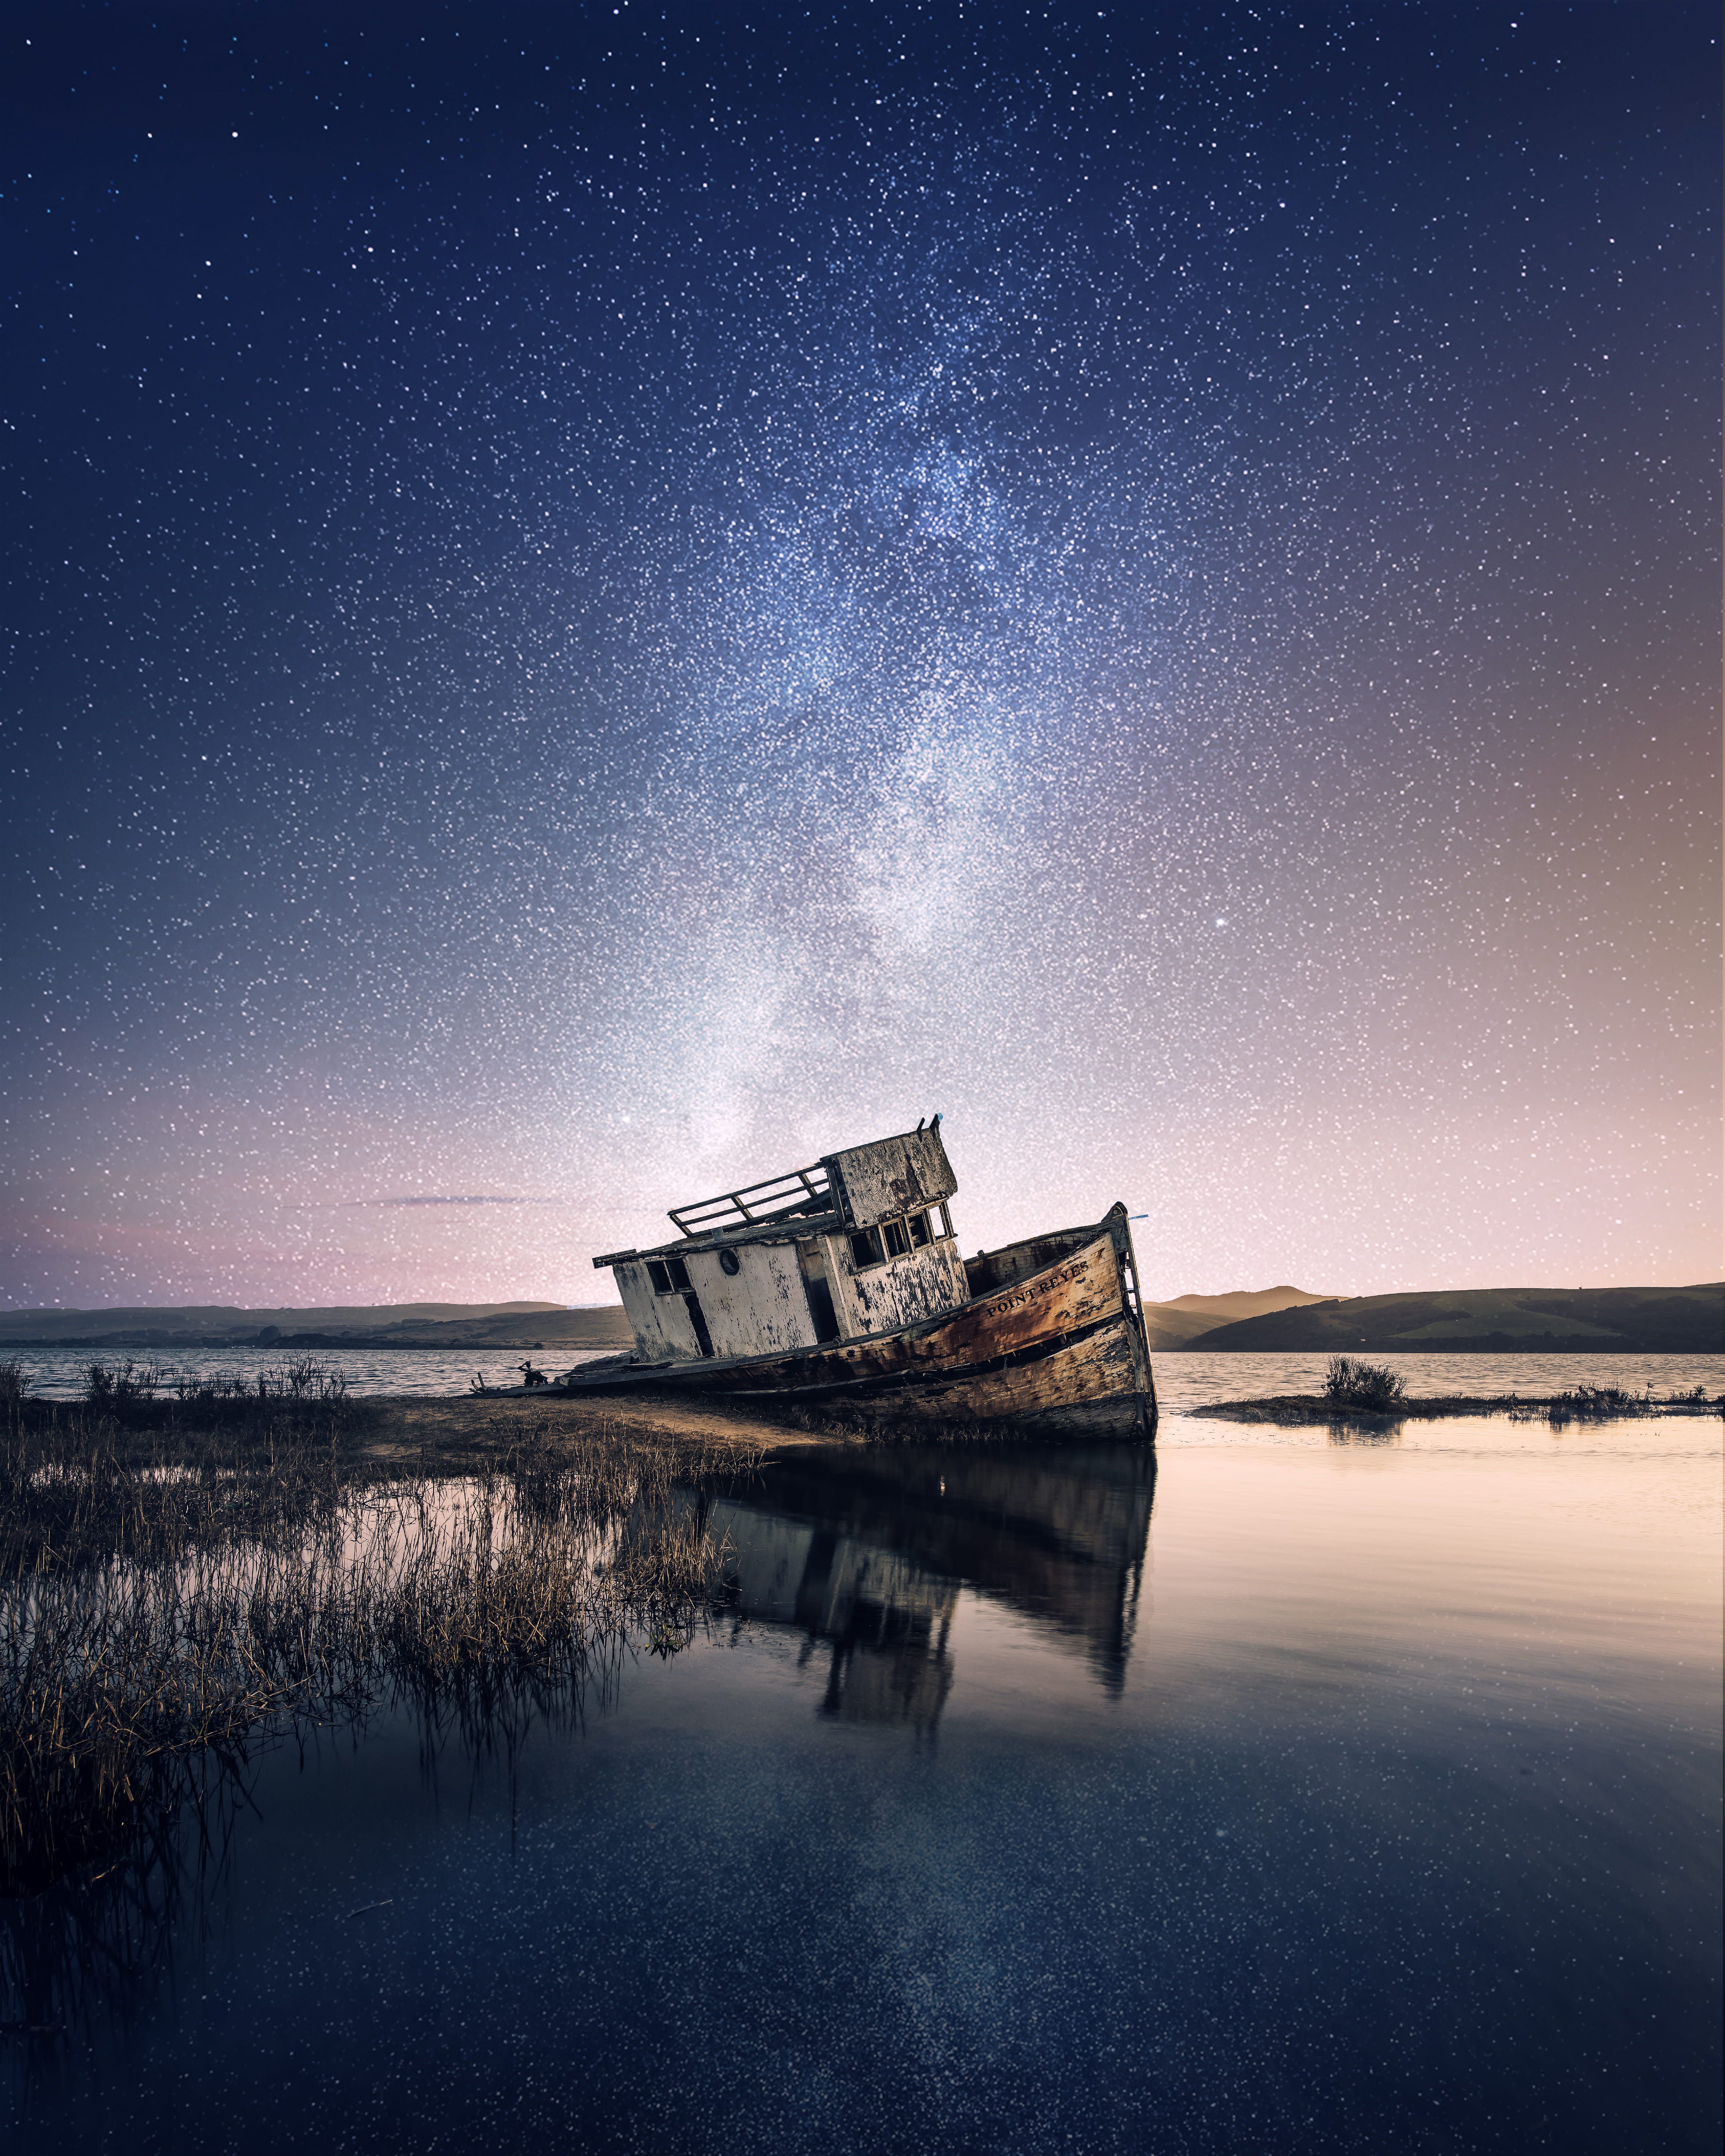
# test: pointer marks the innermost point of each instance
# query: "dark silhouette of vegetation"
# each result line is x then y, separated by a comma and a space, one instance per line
187, 1571
1353, 1388
1370, 1388
1599, 1403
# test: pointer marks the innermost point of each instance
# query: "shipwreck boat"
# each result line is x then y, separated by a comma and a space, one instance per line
838, 1287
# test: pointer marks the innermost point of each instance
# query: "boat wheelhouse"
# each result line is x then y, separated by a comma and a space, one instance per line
839, 1286
861, 1242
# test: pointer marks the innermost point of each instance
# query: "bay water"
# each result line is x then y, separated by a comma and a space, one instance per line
1183, 1381
1279, 1791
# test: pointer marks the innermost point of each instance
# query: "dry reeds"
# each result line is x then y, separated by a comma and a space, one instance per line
168, 1593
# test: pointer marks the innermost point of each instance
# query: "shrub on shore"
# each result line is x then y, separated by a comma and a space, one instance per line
1369, 1386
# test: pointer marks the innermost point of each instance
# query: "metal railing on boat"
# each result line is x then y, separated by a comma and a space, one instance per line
780, 1197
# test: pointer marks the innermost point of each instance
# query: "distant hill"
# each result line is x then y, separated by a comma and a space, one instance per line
604, 1326
1649, 1320
1173, 1324
387, 1325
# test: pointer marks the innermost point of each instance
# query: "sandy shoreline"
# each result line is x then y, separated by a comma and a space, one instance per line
477, 1427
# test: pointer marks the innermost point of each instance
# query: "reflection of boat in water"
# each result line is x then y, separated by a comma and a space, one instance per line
840, 1286
865, 1551
885, 1618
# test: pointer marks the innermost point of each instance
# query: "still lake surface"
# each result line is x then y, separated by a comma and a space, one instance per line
1183, 1381
1273, 1794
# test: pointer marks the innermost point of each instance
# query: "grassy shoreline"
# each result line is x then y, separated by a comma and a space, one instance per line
191, 1573
1294, 1408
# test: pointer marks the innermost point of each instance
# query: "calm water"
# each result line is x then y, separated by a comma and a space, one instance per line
59, 1372
1182, 1381
1302, 1796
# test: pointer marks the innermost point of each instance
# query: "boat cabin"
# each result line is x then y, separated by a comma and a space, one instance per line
861, 1242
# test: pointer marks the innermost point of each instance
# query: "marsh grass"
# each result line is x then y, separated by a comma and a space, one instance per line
1370, 1387
1597, 1404
128, 1476
184, 1576
81, 1951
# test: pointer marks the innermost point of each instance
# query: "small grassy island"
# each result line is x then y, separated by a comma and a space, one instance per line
1371, 1392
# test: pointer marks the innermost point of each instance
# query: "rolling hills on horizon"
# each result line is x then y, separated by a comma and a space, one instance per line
1652, 1321
516, 1324
1647, 1320
1174, 1324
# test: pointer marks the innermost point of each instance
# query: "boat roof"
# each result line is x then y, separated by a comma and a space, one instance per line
782, 1228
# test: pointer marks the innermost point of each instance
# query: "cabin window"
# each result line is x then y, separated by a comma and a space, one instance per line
729, 1262
897, 1238
946, 1221
659, 1275
679, 1275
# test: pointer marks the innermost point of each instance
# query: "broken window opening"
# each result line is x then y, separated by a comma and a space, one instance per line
899, 1239
825, 1318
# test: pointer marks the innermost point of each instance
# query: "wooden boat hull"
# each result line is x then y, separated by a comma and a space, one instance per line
1062, 1349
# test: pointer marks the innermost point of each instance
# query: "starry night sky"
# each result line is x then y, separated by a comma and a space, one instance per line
600, 601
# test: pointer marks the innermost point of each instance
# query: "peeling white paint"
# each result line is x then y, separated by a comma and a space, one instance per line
662, 1328
892, 1177
925, 1283
753, 1289
761, 1309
